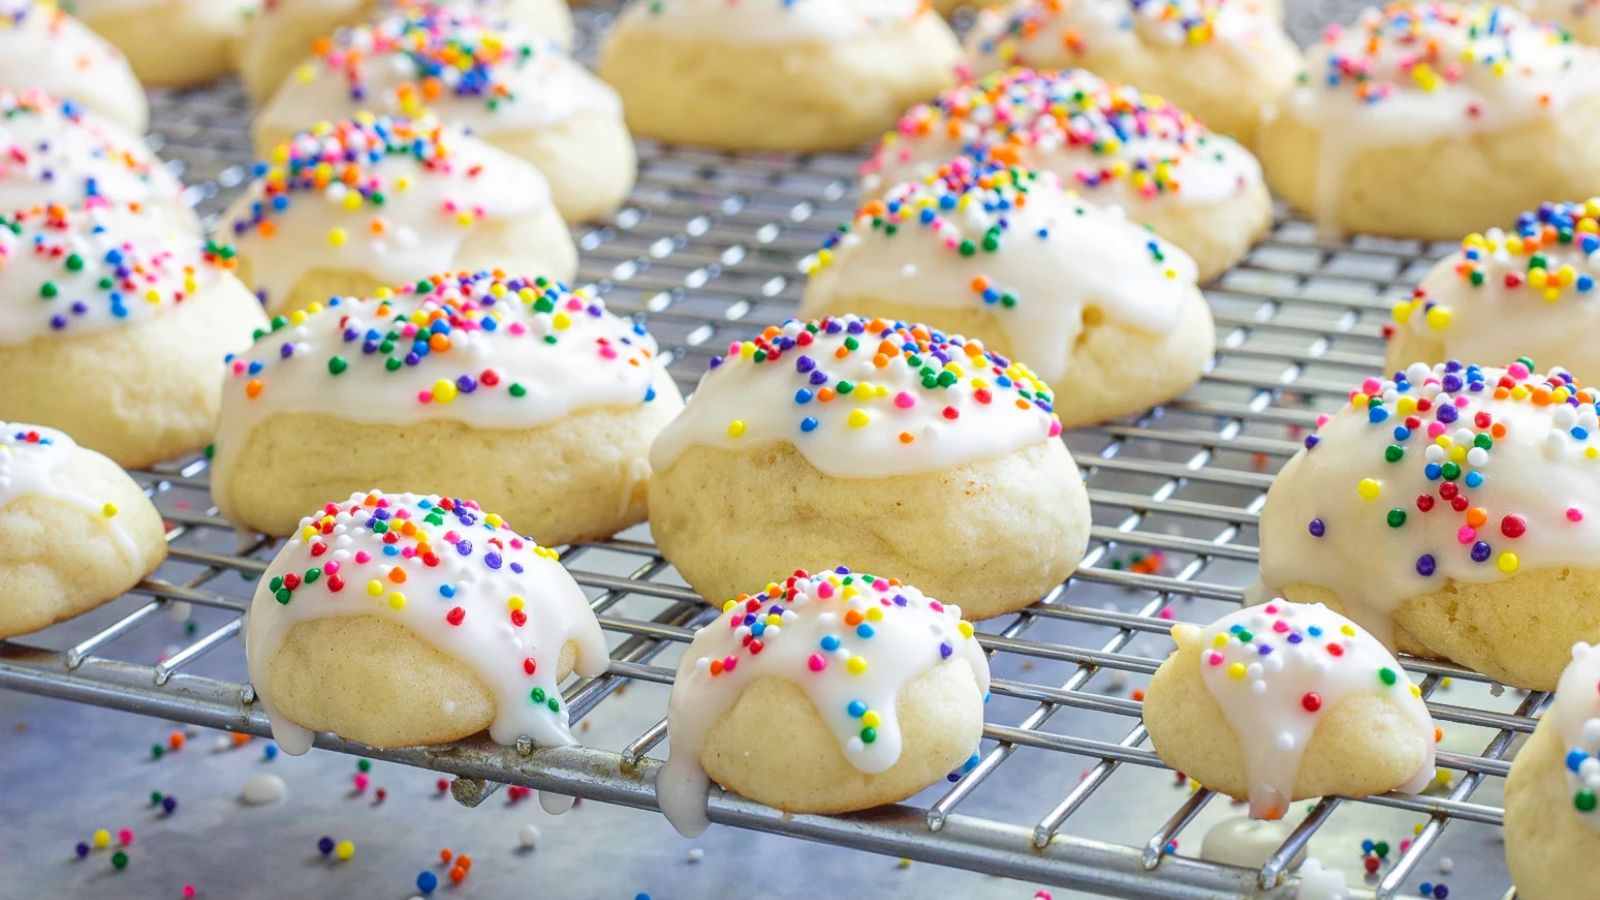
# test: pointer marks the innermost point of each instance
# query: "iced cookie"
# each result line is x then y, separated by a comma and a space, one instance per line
824, 440
43, 47
775, 74
170, 43
1580, 17
1430, 119
376, 202
1451, 511
113, 328
1110, 143
823, 693
75, 530
1526, 291
1285, 701
401, 620
516, 391
507, 87
1076, 292
1222, 60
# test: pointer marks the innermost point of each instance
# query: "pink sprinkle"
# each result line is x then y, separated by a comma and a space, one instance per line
1322, 420
729, 663
1270, 609
424, 397
882, 584
816, 662
1517, 370
607, 353
1280, 626
904, 400
188, 892
936, 606
1460, 402
363, 557
1466, 534
825, 590
1574, 514
518, 329
331, 567
361, 780
1214, 658
1435, 429
1164, 614
125, 836
1055, 427
1371, 386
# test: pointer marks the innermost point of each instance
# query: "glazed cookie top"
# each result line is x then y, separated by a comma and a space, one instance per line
48, 48
54, 151
1107, 141
1450, 473
471, 69
1012, 242
1575, 713
1276, 669
390, 197
66, 273
864, 398
1526, 280
1039, 31
771, 21
31, 460
458, 578
850, 641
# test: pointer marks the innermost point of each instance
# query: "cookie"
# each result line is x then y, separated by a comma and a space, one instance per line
823, 439
1111, 143
824, 693
1000, 253
531, 398
1285, 701
1451, 511
75, 530
373, 202
775, 74
43, 47
170, 43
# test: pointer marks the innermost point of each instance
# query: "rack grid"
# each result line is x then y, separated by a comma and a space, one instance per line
709, 250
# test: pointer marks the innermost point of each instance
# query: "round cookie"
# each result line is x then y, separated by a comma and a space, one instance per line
1452, 512
43, 47
113, 328
351, 207
1112, 144
401, 620
1005, 255
775, 74
825, 693
510, 89
824, 440
55, 151
1222, 60
1429, 119
534, 399
284, 32
170, 43
1579, 17
75, 530
1528, 291
1285, 701
1551, 825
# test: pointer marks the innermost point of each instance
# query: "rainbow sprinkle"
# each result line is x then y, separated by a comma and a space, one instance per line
70, 165
1191, 22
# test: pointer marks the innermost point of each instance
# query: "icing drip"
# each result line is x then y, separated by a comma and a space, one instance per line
69, 272
473, 71
1013, 243
53, 151
1274, 669
31, 458
864, 398
1575, 713
1107, 141
1448, 473
1247, 843
1055, 33
488, 351
457, 578
850, 641
1416, 72
771, 21
1527, 290
389, 197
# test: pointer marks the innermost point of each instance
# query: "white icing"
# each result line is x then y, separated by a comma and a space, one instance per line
1247, 843
438, 186
1276, 669
465, 563
888, 422
31, 460
1419, 72
808, 633
1109, 142
42, 47
1539, 475
769, 21
1319, 882
1056, 256
134, 266
1575, 715
263, 789
515, 83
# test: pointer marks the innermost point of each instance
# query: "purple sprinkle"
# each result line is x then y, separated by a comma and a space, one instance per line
492, 559
804, 364
945, 650
1425, 565
1447, 413
1480, 551
1318, 528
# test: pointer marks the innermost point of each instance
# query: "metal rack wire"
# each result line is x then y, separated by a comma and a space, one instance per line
708, 250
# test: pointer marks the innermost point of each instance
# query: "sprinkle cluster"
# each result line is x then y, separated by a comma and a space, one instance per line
1244, 653
37, 160
1439, 420
863, 604
444, 324
1194, 22
957, 371
1137, 140
1583, 761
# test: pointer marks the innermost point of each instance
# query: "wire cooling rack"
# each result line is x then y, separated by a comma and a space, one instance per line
708, 249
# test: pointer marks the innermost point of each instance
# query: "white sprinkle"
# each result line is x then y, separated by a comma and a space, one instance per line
696, 854
179, 610
1446, 865
221, 744
263, 789
528, 836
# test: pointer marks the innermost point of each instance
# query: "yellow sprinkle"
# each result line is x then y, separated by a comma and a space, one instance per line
736, 428
102, 838
561, 321
874, 614
871, 719
305, 74
1444, 682
858, 418
374, 588
1438, 318
1507, 562
1219, 641
352, 201
774, 619
856, 665
1402, 311
1591, 452
730, 605
465, 219
397, 601
1369, 489
1443, 777
337, 237
1416, 691
444, 391
1236, 670
109, 510
344, 849
1347, 630
965, 628
307, 533
493, 520
515, 603
1406, 406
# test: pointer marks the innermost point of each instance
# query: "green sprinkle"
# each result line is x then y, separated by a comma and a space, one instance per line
1387, 676
337, 365
1397, 517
